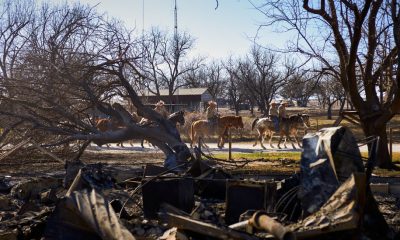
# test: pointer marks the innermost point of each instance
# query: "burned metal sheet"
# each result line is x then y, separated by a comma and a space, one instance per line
343, 210
85, 215
247, 195
210, 182
179, 192
329, 157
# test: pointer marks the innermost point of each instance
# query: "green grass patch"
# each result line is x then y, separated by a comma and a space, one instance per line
265, 155
296, 157
283, 155
396, 156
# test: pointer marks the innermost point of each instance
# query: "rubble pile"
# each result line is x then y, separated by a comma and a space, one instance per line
329, 198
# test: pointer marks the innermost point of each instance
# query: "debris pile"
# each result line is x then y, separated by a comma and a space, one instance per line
329, 198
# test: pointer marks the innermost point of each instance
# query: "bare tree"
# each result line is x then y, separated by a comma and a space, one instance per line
210, 76
300, 87
362, 39
260, 77
166, 61
74, 65
234, 91
330, 91
14, 20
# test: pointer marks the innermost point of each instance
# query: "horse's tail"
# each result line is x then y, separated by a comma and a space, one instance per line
253, 124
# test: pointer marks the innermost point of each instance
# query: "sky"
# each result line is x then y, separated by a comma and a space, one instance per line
219, 33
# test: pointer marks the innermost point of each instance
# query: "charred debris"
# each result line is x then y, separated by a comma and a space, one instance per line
330, 198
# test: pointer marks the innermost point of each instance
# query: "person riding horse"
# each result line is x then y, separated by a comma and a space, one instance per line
160, 108
282, 112
212, 114
273, 114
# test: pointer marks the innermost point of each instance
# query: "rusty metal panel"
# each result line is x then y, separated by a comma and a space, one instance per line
179, 192
211, 188
246, 195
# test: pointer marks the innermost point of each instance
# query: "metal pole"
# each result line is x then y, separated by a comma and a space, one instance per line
230, 143
391, 143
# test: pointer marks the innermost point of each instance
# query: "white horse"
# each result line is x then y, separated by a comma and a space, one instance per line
287, 127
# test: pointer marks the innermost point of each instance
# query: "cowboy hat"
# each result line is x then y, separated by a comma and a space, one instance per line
284, 102
160, 103
273, 102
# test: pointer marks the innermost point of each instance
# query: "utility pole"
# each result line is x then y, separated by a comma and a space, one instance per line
176, 44
175, 20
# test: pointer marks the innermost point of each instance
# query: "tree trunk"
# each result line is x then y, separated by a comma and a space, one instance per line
329, 111
371, 129
342, 102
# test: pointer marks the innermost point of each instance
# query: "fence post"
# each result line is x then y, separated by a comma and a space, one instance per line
230, 143
198, 154
317, 125
391, 143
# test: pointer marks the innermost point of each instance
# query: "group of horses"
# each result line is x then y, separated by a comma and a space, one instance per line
287, 127
107, 124
264, 127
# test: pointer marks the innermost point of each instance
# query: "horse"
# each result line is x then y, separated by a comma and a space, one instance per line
175, 118
106, 124
200, 128
287, 127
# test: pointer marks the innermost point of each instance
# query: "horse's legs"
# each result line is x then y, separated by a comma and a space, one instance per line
297, 140
262, 138
291, 141
221, 141
257, 136
271, 134
280, 140
284, 142
142, 142
204, 137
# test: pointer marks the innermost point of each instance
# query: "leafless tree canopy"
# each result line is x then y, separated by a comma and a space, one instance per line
166, 61
300, 86
63, 65
211, 76
354, 40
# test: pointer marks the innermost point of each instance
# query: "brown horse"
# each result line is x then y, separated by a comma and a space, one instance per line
176, 118
287, 127
106, 124
202, 128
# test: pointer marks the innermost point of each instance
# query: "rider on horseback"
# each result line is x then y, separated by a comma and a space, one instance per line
273, 114
282, 110
282, 113
212, 115
160, 108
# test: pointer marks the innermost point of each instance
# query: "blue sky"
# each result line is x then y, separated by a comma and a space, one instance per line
219, 33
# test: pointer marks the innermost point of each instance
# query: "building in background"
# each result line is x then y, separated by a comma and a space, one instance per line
190, 99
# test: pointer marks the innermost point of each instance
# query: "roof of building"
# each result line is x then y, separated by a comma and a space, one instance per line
181, 92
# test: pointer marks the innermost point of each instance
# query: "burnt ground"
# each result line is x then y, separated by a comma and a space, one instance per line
209, 211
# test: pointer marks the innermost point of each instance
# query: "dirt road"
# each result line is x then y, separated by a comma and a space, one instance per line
242, 147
